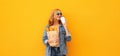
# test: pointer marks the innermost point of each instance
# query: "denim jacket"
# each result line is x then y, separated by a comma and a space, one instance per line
62, 37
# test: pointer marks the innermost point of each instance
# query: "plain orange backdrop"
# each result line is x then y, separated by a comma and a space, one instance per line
94, 26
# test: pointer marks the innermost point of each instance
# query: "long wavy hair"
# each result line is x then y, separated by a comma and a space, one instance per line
51, 19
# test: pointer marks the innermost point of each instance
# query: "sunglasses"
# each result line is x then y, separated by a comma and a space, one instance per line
58, 13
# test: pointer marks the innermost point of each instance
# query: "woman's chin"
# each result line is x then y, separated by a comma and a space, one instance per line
58, 18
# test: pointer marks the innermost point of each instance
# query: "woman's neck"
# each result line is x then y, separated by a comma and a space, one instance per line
56, 22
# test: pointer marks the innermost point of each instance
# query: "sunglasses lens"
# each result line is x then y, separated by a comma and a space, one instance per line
60, 13
57, 13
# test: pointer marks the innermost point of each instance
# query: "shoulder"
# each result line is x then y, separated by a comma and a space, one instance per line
62, 28
46, 26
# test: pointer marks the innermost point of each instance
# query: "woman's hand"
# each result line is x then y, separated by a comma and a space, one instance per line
49, 41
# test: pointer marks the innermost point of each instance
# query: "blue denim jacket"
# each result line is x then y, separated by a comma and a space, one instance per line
62, 37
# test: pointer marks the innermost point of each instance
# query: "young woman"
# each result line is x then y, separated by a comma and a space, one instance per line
56, 45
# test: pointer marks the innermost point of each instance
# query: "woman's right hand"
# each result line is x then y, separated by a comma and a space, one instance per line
49, 41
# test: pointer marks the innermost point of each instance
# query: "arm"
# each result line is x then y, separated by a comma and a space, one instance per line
68, 35
45, 37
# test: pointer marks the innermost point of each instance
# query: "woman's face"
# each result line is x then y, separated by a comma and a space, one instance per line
57, 15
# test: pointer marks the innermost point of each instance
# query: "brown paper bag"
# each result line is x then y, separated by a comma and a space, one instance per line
53, 37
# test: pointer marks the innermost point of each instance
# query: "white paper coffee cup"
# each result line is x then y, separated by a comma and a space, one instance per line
63, 20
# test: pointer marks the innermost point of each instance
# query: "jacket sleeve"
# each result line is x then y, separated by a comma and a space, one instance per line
68, 38
45, 37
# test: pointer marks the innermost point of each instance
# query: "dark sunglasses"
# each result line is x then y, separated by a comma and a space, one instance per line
58, 13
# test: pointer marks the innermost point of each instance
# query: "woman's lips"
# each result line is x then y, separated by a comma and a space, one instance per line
58, 18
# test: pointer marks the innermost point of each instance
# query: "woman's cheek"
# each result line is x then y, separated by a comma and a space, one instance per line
57, 18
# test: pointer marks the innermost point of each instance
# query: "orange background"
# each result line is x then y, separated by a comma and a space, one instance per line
94, 25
